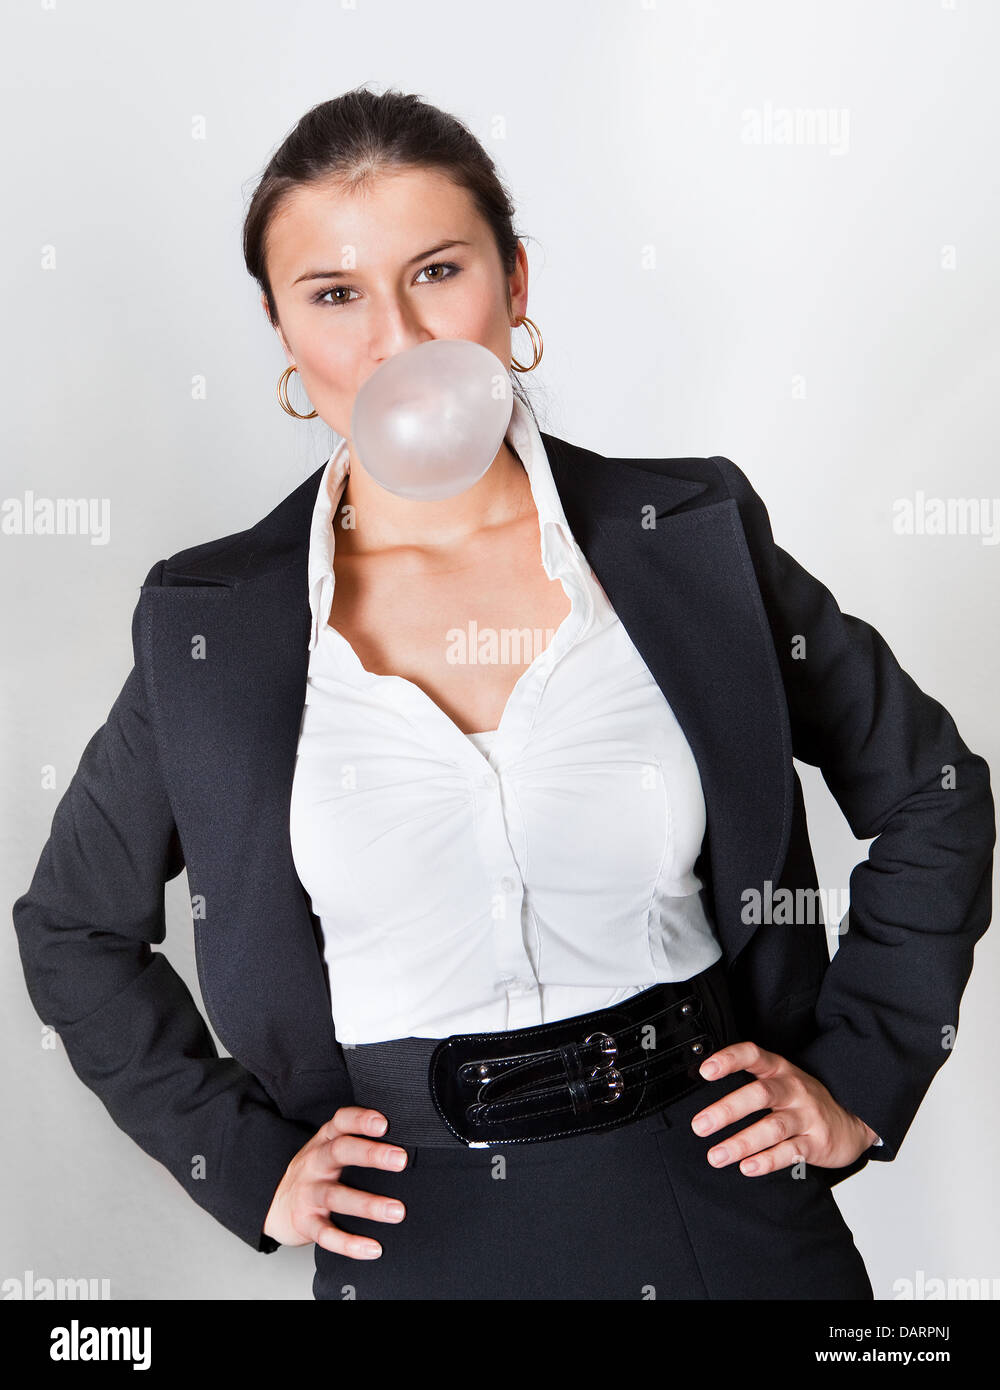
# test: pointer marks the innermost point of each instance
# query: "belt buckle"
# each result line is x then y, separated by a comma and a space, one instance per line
464, 1066
560, 1091
575, 1078
610, 1048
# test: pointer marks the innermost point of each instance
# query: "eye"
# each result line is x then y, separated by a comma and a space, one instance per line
320, 297
441, 265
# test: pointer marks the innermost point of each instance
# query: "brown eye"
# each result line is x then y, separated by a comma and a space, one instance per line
451, 269
321, 295
441, 265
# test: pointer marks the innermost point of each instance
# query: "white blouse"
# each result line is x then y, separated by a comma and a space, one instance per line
472, 883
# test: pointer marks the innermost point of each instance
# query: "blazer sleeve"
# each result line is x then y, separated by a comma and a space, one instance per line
132, 1032
893, 758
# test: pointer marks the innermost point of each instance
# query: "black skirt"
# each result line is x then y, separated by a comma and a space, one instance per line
631, 1213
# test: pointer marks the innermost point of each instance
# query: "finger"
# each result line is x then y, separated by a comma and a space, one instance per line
771, 1130
741, 1056
784, 1155
352, 1119
321, 1230
352, 1150
761, 1094
352, 1201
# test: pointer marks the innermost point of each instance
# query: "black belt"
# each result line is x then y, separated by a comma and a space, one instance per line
594, 1071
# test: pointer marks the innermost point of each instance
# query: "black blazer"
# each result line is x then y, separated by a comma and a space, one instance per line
194, 768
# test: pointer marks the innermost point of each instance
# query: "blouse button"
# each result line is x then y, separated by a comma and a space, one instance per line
507, 883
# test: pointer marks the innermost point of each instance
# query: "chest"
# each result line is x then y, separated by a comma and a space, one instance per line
463, 627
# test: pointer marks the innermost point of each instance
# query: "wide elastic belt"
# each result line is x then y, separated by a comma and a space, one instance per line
591, 1072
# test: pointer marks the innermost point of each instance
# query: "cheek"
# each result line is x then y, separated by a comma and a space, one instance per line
328, 367
475, 311
327, 357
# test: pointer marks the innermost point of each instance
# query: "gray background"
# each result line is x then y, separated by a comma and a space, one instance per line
687, 282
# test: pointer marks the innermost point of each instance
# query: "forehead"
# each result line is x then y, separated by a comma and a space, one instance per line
390, 216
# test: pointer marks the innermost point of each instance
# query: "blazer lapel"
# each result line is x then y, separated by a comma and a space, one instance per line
226, 645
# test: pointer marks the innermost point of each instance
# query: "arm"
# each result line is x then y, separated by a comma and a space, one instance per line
130, 1027
901, 774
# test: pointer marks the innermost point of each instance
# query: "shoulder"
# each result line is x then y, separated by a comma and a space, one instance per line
753, 512
719, 478
162, 575
733, 479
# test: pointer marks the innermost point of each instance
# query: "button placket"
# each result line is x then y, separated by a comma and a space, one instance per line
515, 972
513, 967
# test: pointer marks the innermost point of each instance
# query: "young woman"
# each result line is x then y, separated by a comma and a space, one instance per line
474, 930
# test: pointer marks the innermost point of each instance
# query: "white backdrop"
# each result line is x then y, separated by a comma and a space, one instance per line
767, 231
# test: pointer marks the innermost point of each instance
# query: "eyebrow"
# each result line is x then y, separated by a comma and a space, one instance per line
343, 274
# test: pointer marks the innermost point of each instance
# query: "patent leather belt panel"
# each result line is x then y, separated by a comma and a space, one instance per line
591, 1072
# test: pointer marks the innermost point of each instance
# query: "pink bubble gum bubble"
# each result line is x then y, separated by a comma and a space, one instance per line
428, 423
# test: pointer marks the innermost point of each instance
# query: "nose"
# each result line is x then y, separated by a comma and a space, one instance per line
394, 328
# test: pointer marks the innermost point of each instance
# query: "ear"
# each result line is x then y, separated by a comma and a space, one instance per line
517, 284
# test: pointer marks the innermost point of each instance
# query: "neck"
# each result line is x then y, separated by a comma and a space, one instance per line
384, 521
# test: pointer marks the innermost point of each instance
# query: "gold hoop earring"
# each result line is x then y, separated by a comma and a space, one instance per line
283, 400
537, 346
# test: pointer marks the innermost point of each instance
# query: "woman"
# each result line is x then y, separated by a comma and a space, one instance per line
538, 896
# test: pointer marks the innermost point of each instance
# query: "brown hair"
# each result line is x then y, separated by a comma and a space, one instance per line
351, 138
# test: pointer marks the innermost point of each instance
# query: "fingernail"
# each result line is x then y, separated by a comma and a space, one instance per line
709, 1068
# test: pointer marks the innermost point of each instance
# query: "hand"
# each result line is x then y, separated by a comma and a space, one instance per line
805, 1121
311, 1187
